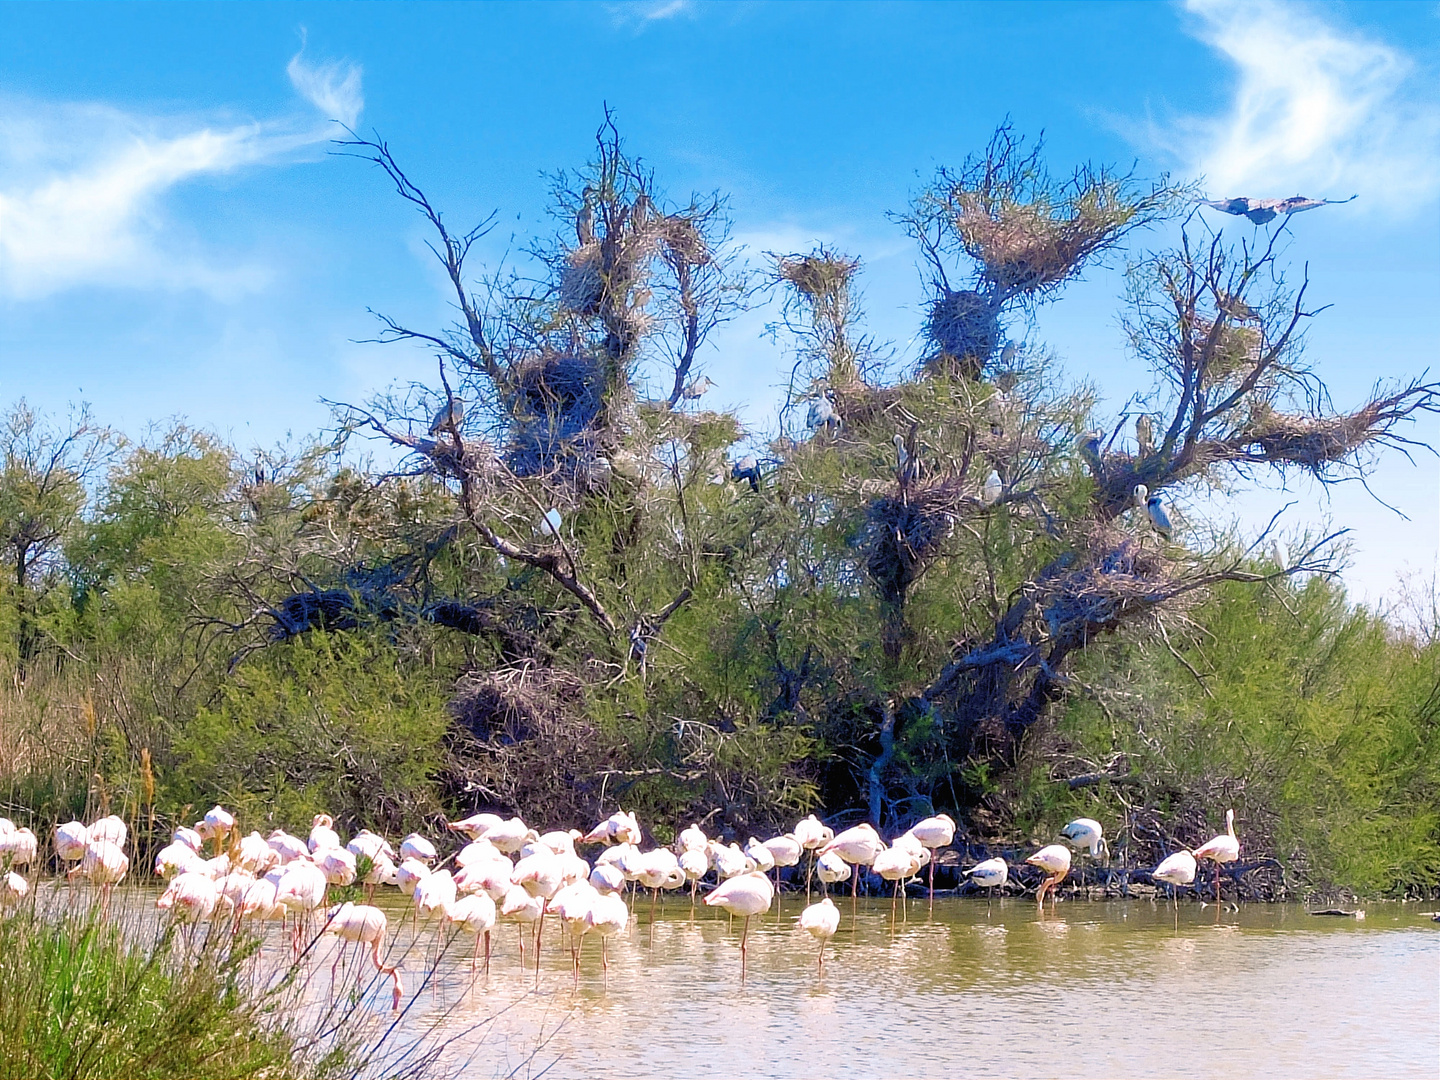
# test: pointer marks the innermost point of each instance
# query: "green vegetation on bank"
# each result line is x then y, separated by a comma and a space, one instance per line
935, 588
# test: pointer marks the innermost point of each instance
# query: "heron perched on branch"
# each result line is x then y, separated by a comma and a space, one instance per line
696, 388
993, 489
1158, 518
451, 414
746, 468
822, 413
1144, 435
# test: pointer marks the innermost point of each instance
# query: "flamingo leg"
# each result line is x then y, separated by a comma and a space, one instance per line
932, 883
809, 873
854, 895
540, 928
605, 962
744, 932
821, 968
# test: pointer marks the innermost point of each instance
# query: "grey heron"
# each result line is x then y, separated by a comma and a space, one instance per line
1144, 435
1141, 493
746, 468
822, 413
1158, 518
452, 413
696, 388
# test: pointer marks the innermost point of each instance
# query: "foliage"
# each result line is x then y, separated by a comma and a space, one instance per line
81, 1000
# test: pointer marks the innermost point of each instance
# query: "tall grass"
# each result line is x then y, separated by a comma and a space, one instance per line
83, 997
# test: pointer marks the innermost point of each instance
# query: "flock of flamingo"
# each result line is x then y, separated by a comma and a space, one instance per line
507, 871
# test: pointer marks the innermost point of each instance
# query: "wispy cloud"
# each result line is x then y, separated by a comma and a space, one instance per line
642, 13
1317, 108
83, 186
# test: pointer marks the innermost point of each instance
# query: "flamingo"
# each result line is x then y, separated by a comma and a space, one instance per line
474, 913
607, 916
13, 889
760, 855
216, 825
609, 878
619, 828
510, 836
183, 834
476, 826
416, 846
519, 907
858, 846
934, 833
561, 842
571, 906
785, 850
832, 868
694, 862
541, 875
288, 847
18, 847
106, 865
1177, 869
323, 834
71, 840
367, 926
300, 890
190, 897
110, 829
896, 864
1054, 859
745, 894
811, 835
337, 864
820, 921
990, 874
693, 838
256, 855
1224, 848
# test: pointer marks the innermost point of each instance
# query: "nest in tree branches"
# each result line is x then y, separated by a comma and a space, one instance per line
818, 276
1026, 247
520, 740
557, 401
1120, 578
965, 328
1309, 442
679, 233
861, 407
582, 285
1236, 350
900, 534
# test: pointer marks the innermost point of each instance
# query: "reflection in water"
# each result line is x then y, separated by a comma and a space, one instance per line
1092, 990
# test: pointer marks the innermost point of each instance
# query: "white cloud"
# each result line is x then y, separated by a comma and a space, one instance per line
333, 88
83, 187
1317, 109
641, 13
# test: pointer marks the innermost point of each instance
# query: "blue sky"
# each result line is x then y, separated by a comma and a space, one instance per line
175, 239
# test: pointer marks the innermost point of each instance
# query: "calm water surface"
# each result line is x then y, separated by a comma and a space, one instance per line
1095, 989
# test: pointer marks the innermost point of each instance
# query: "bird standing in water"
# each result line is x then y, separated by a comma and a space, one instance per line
820, 921
1054, 859
746, 895
1224, 848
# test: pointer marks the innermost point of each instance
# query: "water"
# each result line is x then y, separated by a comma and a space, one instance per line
1094, 989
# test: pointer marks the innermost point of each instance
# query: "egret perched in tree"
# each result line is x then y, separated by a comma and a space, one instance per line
550, 523
993, 489
746, 468
1224, 848
1158, 518
1279, 554
696, 388
1144, 435
451, 414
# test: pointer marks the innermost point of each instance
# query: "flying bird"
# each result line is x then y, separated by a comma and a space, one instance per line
1264, 211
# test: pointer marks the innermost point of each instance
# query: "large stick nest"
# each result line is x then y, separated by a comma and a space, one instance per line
1120, 577
901, 533
1025, 248
521, 741
557, 402
818, 276
1312, 443
965, 327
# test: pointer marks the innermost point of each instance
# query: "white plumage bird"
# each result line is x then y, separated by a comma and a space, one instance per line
746, 895
993, 489
820, 921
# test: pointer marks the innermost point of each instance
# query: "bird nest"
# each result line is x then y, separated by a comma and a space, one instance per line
965, 328
818, 276
520, 740
1308, 442
582, 284
557, 400
1119, 578
1027, 247
900, 534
